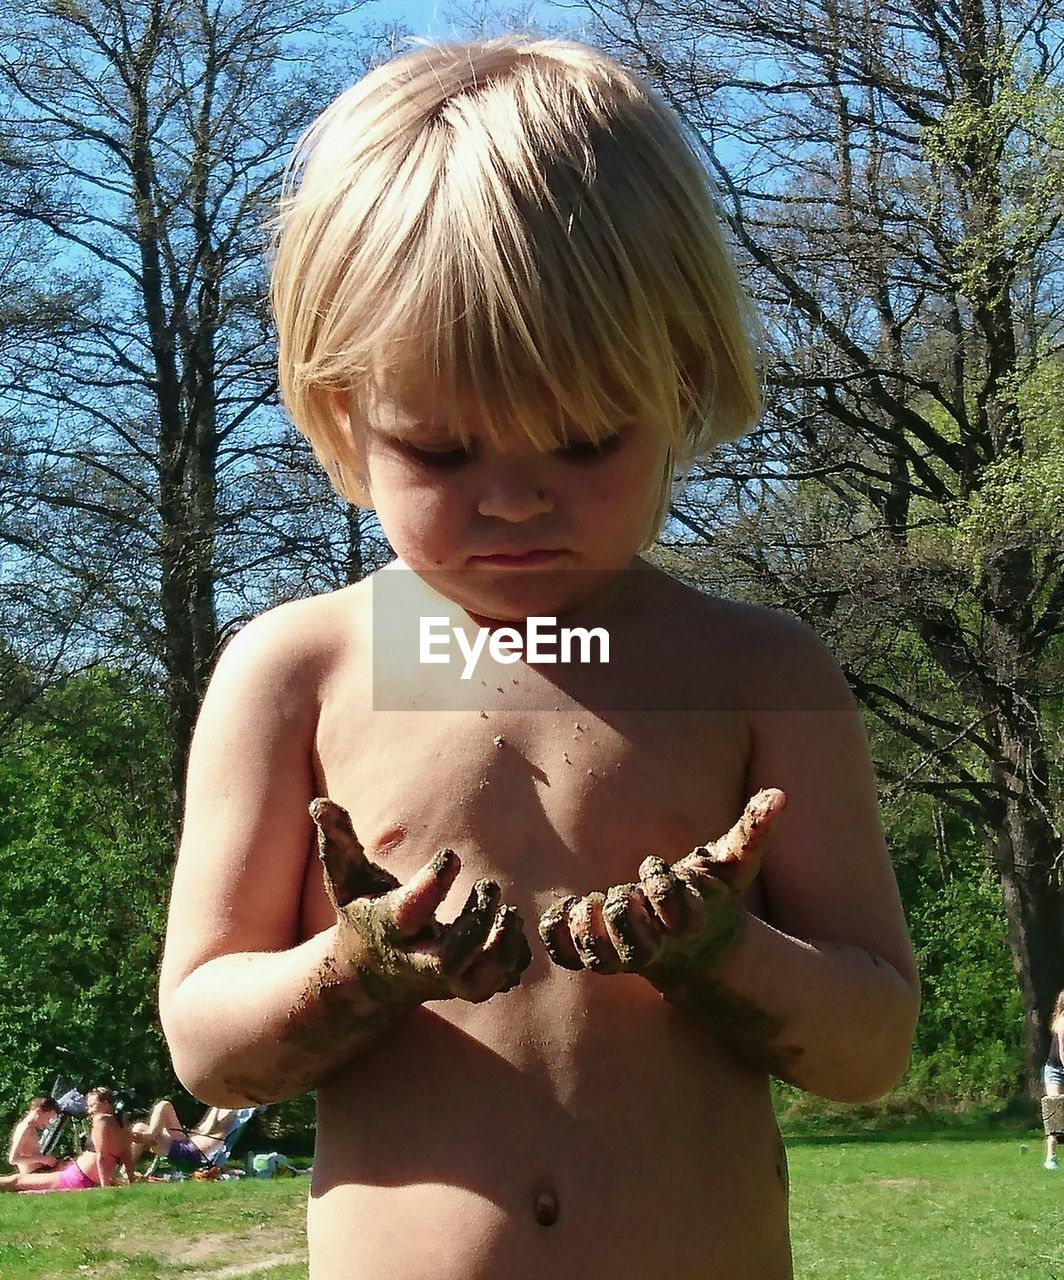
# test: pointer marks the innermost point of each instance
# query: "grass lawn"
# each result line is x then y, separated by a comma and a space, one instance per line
941, 1209
153, 1231
937, 1209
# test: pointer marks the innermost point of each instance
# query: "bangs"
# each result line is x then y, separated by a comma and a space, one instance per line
519, 287
523, 226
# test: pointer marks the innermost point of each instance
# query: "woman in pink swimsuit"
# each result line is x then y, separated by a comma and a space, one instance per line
98, 1167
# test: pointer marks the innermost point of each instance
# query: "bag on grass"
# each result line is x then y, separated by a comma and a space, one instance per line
270, 1164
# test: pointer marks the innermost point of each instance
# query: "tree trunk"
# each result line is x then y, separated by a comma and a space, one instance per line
185, 676
1028, 853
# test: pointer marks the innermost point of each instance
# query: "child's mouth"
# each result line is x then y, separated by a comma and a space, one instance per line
519, 560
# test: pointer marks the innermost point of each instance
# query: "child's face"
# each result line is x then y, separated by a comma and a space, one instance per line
509, 532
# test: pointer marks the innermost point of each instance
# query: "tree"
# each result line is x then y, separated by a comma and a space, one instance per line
893, 181
155, 488
81, 901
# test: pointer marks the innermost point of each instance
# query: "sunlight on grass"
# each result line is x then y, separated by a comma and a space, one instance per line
937, 1210
885, 1209
159, 1231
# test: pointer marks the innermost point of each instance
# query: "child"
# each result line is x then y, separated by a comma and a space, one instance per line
505, 315
24, 1153
110, 1147
1053, 1079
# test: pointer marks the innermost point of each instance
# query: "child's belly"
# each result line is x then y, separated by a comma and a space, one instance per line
576, 1125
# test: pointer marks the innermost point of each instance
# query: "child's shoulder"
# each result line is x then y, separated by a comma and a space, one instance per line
306, 623
297, 643
769, 656
691, 605
696, 613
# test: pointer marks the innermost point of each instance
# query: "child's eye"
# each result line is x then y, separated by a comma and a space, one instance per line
589, 450
441, 459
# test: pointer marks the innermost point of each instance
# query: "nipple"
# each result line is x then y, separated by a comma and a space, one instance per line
546, 1207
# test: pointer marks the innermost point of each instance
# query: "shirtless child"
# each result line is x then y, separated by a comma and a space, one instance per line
24, 1152
505, 315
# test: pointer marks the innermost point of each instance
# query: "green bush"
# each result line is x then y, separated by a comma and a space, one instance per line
969, 1041
85, 850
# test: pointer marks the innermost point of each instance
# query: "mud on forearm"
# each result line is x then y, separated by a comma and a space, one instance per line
688, 982
341, 1012
346, 1004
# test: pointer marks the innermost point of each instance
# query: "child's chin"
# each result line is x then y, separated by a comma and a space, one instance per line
506, 596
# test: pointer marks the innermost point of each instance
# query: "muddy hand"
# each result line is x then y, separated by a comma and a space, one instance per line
389, 930
685, 912
736, 857
346, 870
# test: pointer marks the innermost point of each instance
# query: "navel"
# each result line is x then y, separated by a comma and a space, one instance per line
545, 1206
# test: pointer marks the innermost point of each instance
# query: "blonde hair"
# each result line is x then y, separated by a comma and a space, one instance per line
522, 222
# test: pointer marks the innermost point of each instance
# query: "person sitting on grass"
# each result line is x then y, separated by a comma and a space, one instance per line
165, 1135
111, 1146
24, 1153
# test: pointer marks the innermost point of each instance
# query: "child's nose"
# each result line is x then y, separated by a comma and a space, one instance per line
514, 490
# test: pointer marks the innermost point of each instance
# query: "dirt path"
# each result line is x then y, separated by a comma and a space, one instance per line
239, 1269
260, 1250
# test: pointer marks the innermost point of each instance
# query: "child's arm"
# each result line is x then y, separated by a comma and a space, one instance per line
100, 1139
826, 995
251, 1013
16, 1147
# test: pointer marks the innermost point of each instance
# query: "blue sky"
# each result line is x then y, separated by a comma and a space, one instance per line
436, 17
423, 17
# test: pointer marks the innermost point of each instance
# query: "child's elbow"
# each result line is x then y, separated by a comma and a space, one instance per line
875, 1082
203, 1062
205, 1079
883, 1059
199, 1070
853, 1082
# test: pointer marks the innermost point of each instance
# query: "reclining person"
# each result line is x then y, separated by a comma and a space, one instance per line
165, 1135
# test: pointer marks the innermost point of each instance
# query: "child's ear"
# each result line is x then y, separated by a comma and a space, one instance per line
340, 407
348, 472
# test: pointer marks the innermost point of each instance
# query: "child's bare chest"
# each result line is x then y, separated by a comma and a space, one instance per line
546, 800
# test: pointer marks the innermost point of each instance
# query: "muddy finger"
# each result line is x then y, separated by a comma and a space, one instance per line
467, 935
555, 935
413, 905
712, 888
346, 871
632, 926
590, 936
514, 953
499, 966
669, 896
735, 852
